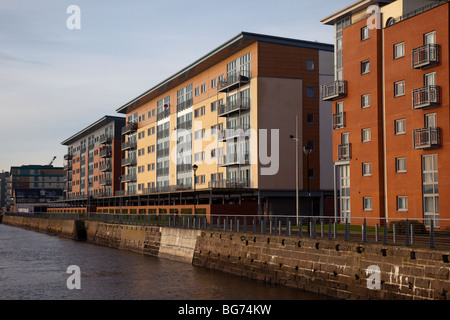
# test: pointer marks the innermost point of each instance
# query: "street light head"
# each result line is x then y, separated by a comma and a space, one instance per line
195, 167
307, 149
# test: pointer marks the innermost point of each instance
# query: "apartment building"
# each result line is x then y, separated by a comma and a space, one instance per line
34, 187
93, 160
5, 191
237, 115
391, 110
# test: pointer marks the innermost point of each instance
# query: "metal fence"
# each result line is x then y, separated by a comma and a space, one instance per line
408, 232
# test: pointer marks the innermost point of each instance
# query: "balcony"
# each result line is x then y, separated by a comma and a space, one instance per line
162, 172
344, 152
68, 156
230, 133
162, 133
229, 184
68, 167
334, 90
184, 167
184, 105
164, 114
339, 120
128, 162
234, 81
68, 177
425, 57
105, 167
129, 178
105, 153
426, 97
162, 152
105, 139
129, 145
104, 181
233, 159
240, 104
131, 127
427, 138
172, 188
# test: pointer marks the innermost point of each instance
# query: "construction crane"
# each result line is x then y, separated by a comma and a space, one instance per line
53, 160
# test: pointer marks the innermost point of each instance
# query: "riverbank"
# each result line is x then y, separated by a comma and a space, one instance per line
335, 268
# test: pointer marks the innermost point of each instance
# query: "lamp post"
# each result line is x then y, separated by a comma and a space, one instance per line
296, 167
194, 168
307, 150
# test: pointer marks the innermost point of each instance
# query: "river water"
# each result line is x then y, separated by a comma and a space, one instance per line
33, 266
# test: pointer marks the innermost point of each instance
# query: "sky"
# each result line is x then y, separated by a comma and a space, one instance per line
55, 80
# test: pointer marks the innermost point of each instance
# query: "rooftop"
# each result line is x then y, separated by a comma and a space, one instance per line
239, 42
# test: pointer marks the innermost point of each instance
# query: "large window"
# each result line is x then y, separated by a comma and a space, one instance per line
430, 189
367, 203
400, 127
399, 88
399, 50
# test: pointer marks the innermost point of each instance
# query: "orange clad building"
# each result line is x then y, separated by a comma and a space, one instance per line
391, 111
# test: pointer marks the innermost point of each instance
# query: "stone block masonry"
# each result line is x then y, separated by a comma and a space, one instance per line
334, 268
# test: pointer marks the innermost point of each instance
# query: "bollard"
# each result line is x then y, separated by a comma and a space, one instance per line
245, 225
218, 223
412, 233
314, 228
385, 241
300, 228
432, 244
288, 223
394, 233
347, 230
254, 225
376, 232
329, 230
407, 233
364, 235
279, 227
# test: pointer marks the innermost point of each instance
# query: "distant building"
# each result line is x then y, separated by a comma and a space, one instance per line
5, 191
33, 187
93, 158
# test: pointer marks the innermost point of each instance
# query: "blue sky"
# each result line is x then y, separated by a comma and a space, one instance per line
55, 81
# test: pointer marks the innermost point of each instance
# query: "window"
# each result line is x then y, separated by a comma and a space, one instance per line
365, 135
367, 203
310, 92
203, 88
197, 91
213, 83
364, 33
200, 179
400, 165
399, 88
429, 79
310, 65
367, 169
365, 67
310, 119
199, 112
399, 50
213, 106
365, 101
400, 127
402, 203
430, 189
429, 38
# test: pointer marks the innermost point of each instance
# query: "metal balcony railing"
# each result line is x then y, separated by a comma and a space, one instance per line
229, 184
105, 167
163, 114
105, 139
105, 153
236, 132
241, 104
333, 90
345, 151
339, 120
162, 172
105, 181
426, 97
130, 127
129, 178
129, 162
184, 167
234, 80
425, 56
162, 152
426, 138
129, 145
68, 156
234, 159
184, 105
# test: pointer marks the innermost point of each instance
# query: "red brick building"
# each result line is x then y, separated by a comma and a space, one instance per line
391, 111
